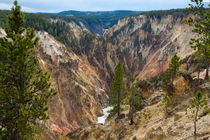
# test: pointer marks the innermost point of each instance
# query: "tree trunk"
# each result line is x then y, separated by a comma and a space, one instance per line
195, 125
21, 85
166, 111
132, 122
118, 104
14, 133
131, 108
207, 73
195, 129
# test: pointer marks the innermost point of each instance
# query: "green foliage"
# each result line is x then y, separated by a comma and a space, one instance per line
172, 71
135, 97
41, 22
174, 65
157, 80
146, 115
166, 103
24, 90
201, 23
59, 29
88, 88
197, 103
106, 18
118, 87
86, 41
174, 12
3, 18
144, 84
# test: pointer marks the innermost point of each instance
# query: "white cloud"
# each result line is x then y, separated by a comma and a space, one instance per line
4, 6
96, 5
206, 0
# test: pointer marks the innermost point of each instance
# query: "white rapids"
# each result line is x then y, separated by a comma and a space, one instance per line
101, 120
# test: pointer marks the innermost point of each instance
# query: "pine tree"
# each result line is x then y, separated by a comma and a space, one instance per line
24, 90
171, 72
135, 99
199, 69
198, 103
201, 23
166, 103
117, 90
174, 66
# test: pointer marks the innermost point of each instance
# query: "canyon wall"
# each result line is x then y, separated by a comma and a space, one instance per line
145, 44
81, 92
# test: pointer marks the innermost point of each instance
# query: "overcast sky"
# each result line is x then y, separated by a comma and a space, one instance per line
95, 5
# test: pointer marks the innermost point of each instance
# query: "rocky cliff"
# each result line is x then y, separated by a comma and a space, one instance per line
145, 45
81, 92
82, 73
150, 122
148, 42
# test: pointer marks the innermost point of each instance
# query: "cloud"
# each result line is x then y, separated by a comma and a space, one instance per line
97, 5
4, 6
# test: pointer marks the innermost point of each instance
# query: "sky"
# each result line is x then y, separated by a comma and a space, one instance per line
53, 6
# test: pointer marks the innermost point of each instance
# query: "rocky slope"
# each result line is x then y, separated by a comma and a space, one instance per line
145, 44
150, 122
81, 92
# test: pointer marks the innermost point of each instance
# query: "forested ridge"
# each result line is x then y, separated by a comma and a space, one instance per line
106, 18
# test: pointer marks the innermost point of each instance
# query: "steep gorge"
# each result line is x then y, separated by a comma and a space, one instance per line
81, 92
82, 77
145, 45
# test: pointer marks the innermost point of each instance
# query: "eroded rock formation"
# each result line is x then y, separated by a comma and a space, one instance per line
145, 44
150, 122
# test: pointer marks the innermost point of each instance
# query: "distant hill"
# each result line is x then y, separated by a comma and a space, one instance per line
107, 18
158, 13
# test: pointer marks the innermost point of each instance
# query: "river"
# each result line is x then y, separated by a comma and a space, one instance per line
106, 110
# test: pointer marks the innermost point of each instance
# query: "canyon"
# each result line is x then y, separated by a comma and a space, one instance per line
82, 76
83, 80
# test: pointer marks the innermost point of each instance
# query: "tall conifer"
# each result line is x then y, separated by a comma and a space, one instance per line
118, 87
24, 89
201, 23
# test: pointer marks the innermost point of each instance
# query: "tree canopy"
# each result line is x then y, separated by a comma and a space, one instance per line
201, 23
117, 89
24, 89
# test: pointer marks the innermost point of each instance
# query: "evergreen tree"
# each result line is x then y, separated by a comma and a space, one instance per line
166, 103
201, 23
198, 103
24, 90
135, 99
171, 72
117, 90
199, 69
174, 66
